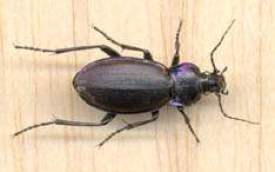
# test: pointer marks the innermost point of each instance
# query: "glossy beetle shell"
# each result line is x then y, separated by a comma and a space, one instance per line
124, 85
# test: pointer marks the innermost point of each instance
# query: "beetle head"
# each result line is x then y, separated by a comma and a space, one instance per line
215, 83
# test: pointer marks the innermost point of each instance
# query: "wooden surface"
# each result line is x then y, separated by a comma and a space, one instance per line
34, 86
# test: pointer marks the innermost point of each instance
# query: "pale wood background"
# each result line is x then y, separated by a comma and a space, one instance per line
35, 86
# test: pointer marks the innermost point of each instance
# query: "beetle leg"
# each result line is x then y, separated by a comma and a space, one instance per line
147, 55
155, 116
176, 57
106, 119
106, 49
187, 121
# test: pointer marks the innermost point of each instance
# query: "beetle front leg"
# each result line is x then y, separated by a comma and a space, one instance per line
155, 116
176, 57
187, 121
106, 119
106, 49
146, 54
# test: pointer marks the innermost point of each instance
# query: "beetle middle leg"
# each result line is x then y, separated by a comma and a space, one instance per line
155, 116
146, 54
187, 121
106, 119
106, 49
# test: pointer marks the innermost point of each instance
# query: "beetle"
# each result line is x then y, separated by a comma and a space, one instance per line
130, 85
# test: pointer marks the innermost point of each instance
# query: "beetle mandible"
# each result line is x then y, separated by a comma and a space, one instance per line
129, 85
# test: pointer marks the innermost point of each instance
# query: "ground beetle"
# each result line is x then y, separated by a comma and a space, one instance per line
129, 85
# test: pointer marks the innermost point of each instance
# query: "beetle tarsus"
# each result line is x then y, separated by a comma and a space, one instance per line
35, 49
106, 49
33, 127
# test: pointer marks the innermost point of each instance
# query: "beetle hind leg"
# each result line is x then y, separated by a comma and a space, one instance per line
129, 126
106, 49
106, 119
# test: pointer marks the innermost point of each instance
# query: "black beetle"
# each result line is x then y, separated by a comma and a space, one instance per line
129, 85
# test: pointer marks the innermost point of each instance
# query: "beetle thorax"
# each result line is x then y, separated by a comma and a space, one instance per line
187, 87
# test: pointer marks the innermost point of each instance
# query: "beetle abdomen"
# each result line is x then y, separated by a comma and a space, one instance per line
124, 85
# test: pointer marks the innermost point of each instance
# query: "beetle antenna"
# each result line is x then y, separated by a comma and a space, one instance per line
215, 70
230, 117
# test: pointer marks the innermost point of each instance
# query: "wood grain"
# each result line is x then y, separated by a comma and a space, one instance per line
34, 86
